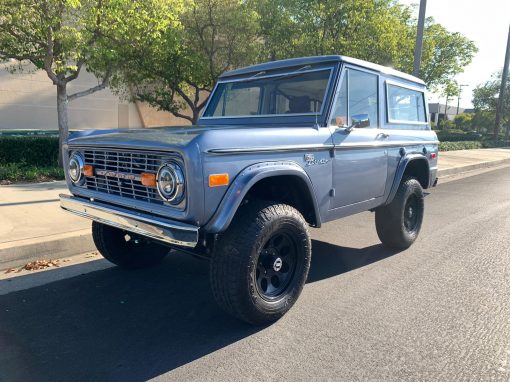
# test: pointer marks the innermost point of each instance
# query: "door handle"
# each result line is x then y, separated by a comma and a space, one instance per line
383, 135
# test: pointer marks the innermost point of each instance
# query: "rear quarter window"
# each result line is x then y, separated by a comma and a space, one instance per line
405, 105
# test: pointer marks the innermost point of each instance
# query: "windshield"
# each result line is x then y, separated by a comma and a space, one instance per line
286, 94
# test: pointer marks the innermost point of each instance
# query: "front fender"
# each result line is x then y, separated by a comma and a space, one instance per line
245, 181
401, 170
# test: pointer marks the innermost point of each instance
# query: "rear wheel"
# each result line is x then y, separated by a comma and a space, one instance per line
398, 223
126, 249
260, 264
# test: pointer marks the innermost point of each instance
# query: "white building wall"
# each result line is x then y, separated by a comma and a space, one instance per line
28, 101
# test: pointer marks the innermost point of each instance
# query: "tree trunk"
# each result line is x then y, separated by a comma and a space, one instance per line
507, 134
196, 114
63, 121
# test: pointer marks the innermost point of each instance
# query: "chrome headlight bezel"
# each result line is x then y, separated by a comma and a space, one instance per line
76, 161
170, 171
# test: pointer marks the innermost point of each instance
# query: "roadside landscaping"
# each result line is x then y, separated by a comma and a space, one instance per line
29, 159
459, 140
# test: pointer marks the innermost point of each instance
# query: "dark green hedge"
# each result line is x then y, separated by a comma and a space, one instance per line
464, 145
35, 151
458, 137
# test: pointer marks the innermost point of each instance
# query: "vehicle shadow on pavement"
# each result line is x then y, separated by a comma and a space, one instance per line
329, 260
131, 326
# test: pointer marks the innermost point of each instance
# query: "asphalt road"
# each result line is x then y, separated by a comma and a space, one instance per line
438, 311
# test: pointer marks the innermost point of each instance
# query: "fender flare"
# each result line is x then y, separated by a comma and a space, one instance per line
244, 181
404, 162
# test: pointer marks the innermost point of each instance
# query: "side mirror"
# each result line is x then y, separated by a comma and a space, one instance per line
357, 121
360, 120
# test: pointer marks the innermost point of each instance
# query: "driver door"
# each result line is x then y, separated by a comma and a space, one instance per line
360, 163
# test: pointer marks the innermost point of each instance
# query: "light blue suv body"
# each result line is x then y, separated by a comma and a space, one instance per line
331, 136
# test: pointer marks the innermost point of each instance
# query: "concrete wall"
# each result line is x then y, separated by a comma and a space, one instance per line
28, 101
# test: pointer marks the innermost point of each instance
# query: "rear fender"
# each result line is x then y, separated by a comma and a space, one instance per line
404, 162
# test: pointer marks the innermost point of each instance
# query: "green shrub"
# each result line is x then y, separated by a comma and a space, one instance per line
35, 151
456, 136
17, 172
469, 145
464, 145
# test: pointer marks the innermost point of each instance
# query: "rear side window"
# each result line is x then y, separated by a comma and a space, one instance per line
405, 105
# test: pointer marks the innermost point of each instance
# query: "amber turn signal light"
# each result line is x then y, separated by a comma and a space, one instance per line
88, 170
148, 179
216, 180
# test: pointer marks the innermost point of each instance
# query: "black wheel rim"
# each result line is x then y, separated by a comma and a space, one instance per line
276, 265
411, 214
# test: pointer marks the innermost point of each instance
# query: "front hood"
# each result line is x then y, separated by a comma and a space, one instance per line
161, 138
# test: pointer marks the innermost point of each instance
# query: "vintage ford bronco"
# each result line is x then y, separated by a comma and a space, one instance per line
280, 146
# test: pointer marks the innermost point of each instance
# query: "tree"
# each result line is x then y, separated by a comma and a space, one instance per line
463, 121
450, 89
371, 30
445, 54
62, 37
482, 121
485, 99
381, 31
218, 35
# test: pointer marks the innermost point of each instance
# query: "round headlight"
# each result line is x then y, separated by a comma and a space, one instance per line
171, 182
75, 167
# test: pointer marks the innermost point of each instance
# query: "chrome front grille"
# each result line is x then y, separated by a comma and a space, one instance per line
109, 164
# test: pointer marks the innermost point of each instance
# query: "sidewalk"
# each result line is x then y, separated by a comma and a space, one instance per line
32, 225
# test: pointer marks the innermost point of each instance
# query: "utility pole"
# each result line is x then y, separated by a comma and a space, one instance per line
445, 112
458, 97
502, 90
419, 38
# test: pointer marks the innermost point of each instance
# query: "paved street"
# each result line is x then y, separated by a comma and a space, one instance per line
438, 311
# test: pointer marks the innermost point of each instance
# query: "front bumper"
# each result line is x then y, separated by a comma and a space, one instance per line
161, 229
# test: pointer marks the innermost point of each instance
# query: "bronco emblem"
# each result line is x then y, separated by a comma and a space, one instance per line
115, 174
311, 161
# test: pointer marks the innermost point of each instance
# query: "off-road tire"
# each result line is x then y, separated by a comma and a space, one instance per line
126, 249
237, 259
392, 220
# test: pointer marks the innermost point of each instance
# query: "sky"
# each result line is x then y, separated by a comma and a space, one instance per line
486, 23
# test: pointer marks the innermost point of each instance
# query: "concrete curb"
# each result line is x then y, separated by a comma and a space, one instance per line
471, 167
17, 253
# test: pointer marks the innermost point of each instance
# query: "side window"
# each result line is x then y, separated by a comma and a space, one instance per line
357, 95
405, 105
238, 100
340, 117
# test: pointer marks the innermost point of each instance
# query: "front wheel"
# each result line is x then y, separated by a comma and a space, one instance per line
260, 264
398, 223
125, 249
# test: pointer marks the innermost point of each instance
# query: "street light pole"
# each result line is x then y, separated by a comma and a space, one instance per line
458, 98
419, 38
502, 90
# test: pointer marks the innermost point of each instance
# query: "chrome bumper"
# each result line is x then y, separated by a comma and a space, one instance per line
161, 229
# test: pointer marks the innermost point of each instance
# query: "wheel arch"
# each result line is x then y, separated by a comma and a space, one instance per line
254, 181
415, 165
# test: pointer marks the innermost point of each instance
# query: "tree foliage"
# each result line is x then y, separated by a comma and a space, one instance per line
63, 36
380, 31
485, 100
218, 35
225, 34
463, 121
485, 97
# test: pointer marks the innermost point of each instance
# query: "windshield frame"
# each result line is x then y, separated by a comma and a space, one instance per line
279, 73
